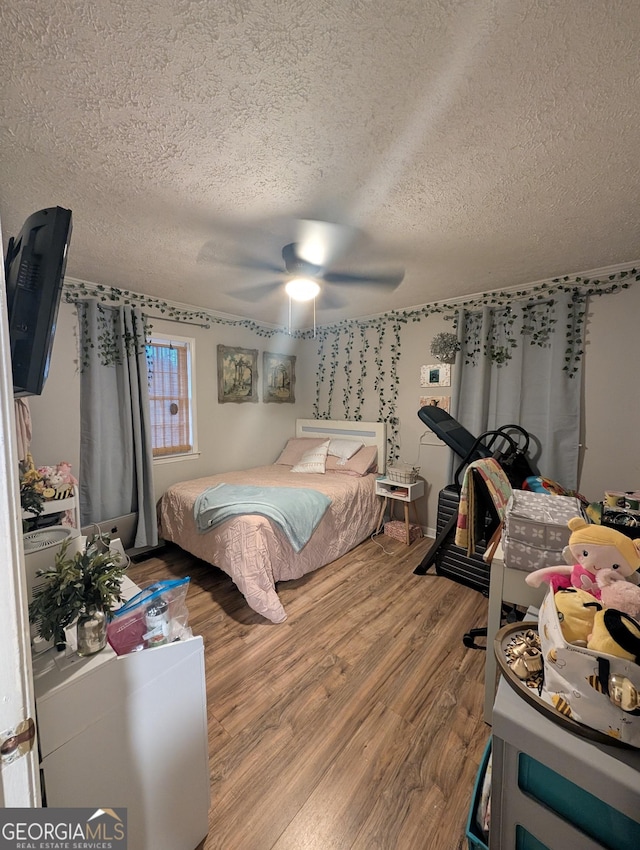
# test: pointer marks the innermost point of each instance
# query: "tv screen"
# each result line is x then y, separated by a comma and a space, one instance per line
34, 271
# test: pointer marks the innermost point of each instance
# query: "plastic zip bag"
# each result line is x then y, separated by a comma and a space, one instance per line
155, 616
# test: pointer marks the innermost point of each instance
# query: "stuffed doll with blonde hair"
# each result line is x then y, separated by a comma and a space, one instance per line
592, 548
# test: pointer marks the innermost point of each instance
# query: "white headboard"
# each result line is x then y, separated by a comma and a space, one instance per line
370, 433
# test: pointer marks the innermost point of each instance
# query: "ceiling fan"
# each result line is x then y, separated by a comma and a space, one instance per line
311, 257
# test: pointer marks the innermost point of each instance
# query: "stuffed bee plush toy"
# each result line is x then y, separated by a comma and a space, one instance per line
615, 633
576, 611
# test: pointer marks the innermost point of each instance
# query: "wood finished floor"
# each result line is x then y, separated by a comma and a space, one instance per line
357, 723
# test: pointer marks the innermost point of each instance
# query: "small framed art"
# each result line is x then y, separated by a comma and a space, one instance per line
441, 401
435, 376
278, 377
237, 374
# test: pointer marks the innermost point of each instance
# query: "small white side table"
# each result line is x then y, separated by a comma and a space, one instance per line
406, 493
58, 506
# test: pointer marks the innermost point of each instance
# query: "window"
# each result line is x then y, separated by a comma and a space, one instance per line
171, 394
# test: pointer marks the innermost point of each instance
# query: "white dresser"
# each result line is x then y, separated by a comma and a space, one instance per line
129, 731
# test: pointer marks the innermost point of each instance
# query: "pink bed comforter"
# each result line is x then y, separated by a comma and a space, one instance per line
255, 552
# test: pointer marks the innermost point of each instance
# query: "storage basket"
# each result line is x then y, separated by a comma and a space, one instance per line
398, 530
578, 681
535, 529
403, 473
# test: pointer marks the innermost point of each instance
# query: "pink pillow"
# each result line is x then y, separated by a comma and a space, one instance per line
363, 461
296, 447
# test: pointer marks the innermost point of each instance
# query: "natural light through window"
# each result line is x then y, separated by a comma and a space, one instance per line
171, 394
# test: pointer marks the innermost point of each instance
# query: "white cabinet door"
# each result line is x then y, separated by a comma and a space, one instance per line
19, 784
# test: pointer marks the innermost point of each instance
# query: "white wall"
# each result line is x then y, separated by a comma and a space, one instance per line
243, 435
612, 395
55, 415
433, 456
229, 435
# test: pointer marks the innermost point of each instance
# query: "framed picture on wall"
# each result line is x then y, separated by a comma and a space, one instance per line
435, 376
441, 401
278, 377
237, 374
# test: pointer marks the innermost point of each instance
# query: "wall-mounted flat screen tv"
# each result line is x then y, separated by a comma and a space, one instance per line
34, 268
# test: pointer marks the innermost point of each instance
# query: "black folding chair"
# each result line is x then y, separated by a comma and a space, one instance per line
498, 443
503, 445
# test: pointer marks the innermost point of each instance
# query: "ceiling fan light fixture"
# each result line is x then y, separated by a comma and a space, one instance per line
302, 289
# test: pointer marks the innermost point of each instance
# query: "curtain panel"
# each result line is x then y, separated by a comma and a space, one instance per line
514, 367
116, 464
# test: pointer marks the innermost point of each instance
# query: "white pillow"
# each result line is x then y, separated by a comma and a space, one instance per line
344, 449
313, 460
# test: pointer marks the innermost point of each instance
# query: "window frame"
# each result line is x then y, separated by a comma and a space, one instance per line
189, 344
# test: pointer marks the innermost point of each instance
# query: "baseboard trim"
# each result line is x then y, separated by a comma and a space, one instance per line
143, 553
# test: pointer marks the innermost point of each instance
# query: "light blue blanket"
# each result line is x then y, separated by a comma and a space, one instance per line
296, 510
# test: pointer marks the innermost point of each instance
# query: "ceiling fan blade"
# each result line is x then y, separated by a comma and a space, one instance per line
390, 280
212, 253
255, 293
254, 264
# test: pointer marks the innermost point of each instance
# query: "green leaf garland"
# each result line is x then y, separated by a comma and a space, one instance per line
539, 324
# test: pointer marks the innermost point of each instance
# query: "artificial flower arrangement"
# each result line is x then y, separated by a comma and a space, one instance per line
31, 487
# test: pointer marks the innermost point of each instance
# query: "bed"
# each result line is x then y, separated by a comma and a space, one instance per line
255, 550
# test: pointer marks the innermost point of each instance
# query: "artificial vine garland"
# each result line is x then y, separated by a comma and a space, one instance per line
344, 340
581, 287
364, 347
538, 323
110, 342
74, 290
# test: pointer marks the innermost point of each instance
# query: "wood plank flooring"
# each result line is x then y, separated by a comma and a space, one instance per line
354, 725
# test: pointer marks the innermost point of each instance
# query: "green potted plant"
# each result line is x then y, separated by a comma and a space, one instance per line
84, 586
31, 491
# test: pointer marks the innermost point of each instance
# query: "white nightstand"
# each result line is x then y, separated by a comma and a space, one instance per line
397, 492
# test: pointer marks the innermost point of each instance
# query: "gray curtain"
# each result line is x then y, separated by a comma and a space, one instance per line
116, 463
513, 368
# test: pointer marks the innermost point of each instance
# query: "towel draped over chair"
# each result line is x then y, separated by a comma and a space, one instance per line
487, 473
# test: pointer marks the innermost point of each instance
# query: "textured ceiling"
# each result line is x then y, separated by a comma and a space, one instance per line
480, 144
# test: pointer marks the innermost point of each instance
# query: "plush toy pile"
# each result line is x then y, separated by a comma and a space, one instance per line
57, 480
589, 628
57, 483
597, 597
